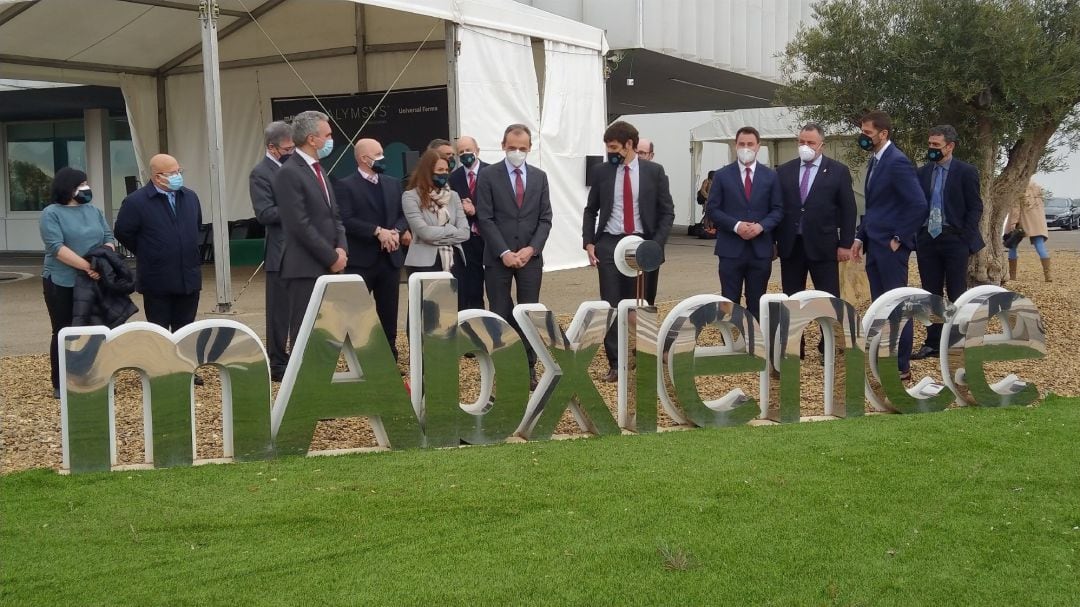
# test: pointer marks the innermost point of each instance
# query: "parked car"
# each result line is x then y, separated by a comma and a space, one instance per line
1062, 213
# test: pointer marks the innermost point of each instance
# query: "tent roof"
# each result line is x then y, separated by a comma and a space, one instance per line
145, 36
771, 123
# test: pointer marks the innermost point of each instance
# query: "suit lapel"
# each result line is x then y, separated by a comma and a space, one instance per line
821, 170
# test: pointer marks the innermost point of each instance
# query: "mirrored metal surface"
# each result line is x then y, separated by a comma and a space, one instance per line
499, 410
882, 325
743, 351
787, 320
969, 346
566, 355
92, 355
637, 388
433, 364
341, 321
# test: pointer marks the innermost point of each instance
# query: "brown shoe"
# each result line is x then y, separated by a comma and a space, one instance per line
612, 376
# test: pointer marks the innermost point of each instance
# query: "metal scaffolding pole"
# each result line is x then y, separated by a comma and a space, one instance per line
208, 15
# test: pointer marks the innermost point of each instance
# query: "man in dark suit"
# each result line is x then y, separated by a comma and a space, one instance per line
513, 208
160, 223
314, 236
370, 206
895, 208
819, 216
951, 232
631, 197
463, 181
745, 206
279, 146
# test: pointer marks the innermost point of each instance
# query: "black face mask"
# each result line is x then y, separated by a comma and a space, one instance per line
934, 154
283, 158
83, 196
865, 142
450, 163
614, 158
378, 166
468, 159
439, 179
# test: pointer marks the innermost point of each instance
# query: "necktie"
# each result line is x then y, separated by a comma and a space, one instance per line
933, 225
870, 171
804, 185
372, 178
519, 188
627, 202
172, 202
747, 184
318, 173
472, 184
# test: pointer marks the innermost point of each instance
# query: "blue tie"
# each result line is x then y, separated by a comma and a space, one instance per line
172, 202
934, 223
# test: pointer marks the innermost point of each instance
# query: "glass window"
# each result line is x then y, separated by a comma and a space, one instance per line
35, 151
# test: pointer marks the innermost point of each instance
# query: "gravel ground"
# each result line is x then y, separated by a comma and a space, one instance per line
30, 417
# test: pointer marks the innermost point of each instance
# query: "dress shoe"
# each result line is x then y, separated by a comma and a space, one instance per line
924, 352
612, 376
56, 393
199, 380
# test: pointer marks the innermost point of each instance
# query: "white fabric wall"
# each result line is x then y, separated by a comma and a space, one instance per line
140, 96
571, 126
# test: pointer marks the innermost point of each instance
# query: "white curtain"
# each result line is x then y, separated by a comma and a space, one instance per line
571, 127
140, 96
496, 88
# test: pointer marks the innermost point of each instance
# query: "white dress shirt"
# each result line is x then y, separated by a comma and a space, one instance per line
615, 222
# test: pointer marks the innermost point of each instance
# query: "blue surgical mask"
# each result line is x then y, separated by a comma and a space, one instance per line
327, 147
176, 181
83, 196
439, 180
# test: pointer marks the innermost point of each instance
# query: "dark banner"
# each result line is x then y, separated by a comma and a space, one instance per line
404, 124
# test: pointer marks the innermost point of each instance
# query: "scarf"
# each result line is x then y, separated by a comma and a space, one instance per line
440, 201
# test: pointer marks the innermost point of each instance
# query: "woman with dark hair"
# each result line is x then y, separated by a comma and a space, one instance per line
436, 218
70, 228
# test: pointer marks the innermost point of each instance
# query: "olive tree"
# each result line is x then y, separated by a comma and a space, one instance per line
1005, 73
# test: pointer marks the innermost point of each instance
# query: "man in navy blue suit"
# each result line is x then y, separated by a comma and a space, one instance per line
895, 208
745, 206
950, 234
463, 181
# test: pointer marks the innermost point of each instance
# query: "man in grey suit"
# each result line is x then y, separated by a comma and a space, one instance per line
513, 210
314, 235
630, 196
279, 146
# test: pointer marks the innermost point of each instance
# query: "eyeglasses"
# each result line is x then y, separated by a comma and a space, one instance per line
171, 173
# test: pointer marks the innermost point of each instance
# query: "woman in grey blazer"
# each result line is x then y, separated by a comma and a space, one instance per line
436, 219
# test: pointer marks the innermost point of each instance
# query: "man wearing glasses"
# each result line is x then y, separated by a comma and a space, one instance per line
159, 223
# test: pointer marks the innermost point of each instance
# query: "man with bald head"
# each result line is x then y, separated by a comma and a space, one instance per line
645, 149
159, 223
463, 181
370, 204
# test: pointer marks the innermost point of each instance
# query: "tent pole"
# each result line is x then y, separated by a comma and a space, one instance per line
452, 80
208, 15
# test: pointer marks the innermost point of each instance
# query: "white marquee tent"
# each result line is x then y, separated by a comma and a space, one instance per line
502, 62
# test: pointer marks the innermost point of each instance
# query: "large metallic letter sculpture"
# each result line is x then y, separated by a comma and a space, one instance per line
89, 357
566, 356
969, 347
882, 326
638, 401
683, 360
499, 410
787, 320
341, 320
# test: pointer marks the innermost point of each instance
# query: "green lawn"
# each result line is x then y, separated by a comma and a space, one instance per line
964, 507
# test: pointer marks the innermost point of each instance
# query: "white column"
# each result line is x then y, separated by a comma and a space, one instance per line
98, 159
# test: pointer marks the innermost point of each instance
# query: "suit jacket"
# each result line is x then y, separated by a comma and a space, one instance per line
828, 215
654, 202
503, 225
895, 203
166, 245
313, 228
361, 213
459, 183
727, 205
260, 187
428, 236
963, 206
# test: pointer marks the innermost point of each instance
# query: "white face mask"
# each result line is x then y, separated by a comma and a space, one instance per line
516, 157
807, 153
746, 155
